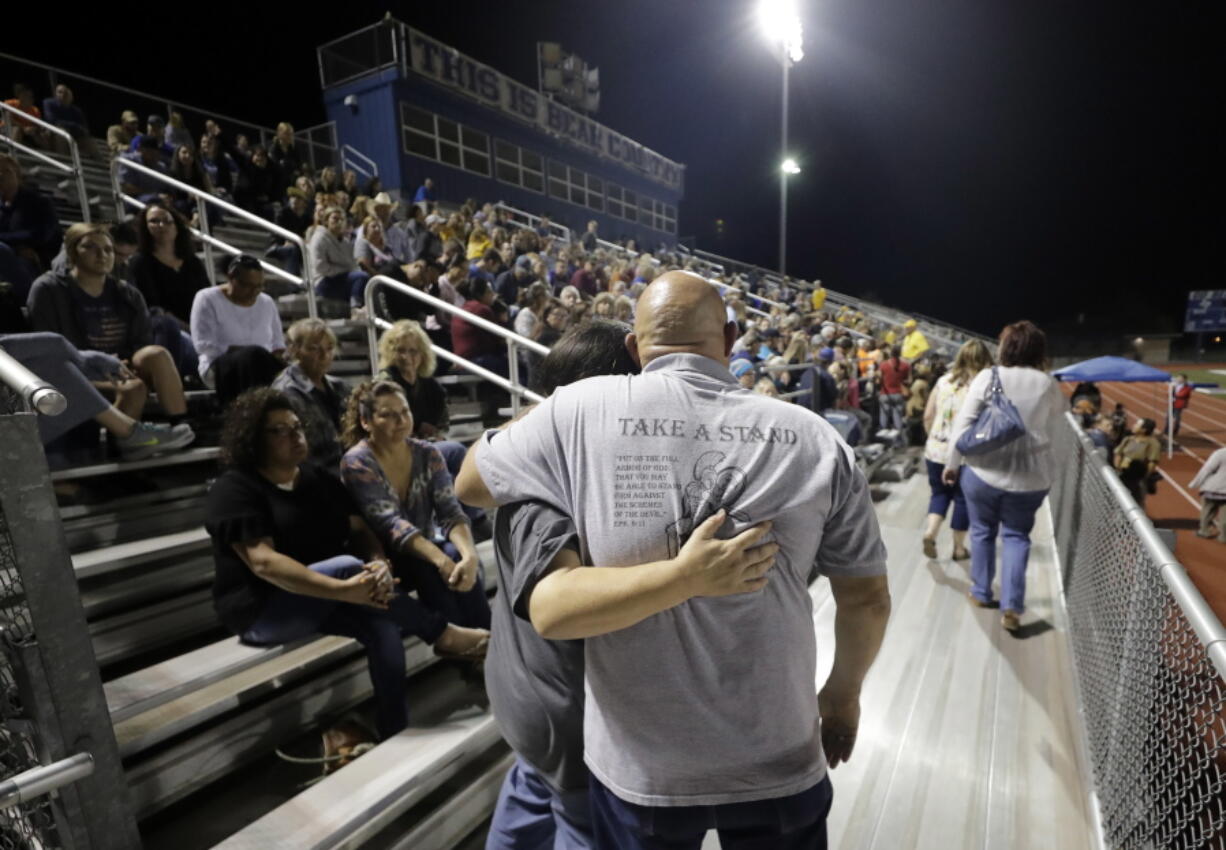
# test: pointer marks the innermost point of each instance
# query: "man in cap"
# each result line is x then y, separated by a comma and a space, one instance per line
914, 344
701, 710
510, 282
155, 128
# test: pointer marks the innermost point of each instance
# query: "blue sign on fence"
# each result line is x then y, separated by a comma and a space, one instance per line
1206, 311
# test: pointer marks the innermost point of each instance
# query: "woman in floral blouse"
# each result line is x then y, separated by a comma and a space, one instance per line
404, 492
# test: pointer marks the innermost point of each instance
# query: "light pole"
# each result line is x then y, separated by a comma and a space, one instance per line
782, 27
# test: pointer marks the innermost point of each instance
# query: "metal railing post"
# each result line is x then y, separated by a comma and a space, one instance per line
74, 153
37, 394
513, 373
202, 221
38, 781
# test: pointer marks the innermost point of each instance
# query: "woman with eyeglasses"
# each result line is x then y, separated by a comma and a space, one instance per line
403, 489
294, 558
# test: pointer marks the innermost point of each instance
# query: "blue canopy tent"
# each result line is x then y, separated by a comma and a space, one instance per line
1120, 369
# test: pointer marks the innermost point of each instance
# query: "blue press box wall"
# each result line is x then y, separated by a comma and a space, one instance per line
374, 129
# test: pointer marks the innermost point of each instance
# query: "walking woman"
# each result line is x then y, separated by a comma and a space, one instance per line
1005, 487
944, 402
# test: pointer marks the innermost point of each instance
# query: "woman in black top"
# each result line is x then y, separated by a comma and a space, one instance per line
282, 535
169, 274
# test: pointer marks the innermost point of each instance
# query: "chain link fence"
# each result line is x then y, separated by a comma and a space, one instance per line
31, 824
1148, 663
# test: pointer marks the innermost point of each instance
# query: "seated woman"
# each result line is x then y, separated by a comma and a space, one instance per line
237, 330
96, 312
337, 275
402, 488
169, 274
535, 685
285, 537
72, 372
320, 397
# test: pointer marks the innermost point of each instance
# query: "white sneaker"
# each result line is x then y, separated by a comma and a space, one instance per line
149, 439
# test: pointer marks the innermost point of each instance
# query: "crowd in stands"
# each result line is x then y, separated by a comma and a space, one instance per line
334, 503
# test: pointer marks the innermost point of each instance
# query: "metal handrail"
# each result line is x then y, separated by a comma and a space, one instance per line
513, 339
75, 169
534, 221
144, 95
202, 198
44, 779
1192, 604
37, 394
350, 150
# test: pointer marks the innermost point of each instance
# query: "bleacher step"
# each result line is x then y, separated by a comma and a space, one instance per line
111, 558
354, 803
452, 822
197, 455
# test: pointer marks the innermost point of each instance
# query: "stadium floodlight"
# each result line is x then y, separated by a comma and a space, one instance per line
789, 166
781, 25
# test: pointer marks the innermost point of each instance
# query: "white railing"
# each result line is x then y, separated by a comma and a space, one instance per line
74, 152
514, 341
528, 220
37, 394
204, 198
354, 160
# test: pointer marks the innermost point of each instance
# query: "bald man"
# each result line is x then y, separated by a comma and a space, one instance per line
701, 711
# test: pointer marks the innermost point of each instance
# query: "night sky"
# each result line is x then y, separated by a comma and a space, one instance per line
976, 160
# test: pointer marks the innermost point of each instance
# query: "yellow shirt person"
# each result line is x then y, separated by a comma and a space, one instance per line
914, 344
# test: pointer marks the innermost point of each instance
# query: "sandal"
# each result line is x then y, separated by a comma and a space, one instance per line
962, 554
930, 547
475, 653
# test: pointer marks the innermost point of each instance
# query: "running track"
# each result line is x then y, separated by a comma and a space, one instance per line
1176, 505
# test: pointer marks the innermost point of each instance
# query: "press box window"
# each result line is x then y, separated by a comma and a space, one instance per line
431, 136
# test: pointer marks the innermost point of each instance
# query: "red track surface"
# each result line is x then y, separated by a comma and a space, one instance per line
1176, 505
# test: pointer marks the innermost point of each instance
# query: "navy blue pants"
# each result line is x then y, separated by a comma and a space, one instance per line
291, 616
470, 608
531, 815
942, 495
797, 822
350, 286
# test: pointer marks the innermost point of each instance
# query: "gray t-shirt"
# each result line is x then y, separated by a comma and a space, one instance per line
535, 685
712, 701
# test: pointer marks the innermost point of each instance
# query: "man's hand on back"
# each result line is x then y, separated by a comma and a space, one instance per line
725, 567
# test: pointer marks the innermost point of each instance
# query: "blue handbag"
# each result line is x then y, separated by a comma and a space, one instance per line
998, 424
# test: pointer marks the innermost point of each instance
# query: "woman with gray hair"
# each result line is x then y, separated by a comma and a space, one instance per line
319, 397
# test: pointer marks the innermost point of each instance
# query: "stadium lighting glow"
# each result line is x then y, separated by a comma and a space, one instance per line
789, 166
782, 26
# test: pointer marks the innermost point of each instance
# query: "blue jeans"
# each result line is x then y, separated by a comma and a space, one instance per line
531, 815
453, 455
289, 256
469, 608
890, 411
942, 495
349, 286
989, 510
797, 822
168, 334
290, 616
